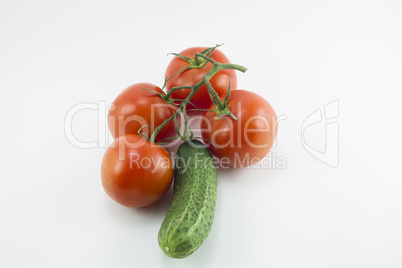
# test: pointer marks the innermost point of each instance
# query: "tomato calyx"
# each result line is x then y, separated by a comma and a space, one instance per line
221, 108
200, 59
196, 62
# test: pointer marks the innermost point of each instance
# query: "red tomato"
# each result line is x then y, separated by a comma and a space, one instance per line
136, 107
248, 139
201, 99
135, 172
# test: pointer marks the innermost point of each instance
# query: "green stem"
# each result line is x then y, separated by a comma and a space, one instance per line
173, 89
177, 113
216, 67
200, 110
213, 95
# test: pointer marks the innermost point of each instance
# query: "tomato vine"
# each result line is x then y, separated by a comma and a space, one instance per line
199, 61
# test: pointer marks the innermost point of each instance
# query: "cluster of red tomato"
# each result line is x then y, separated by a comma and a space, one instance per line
137, 170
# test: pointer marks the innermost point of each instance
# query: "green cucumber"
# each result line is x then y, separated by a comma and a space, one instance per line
189, 219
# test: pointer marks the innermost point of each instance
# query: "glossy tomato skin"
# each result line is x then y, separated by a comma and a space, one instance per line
136, 173
136, 107
201, 99
248, 139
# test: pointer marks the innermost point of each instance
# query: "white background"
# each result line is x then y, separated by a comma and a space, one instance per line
301, 55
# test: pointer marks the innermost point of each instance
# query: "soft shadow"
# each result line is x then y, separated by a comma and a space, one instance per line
140, 216
230, 172
159, 208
